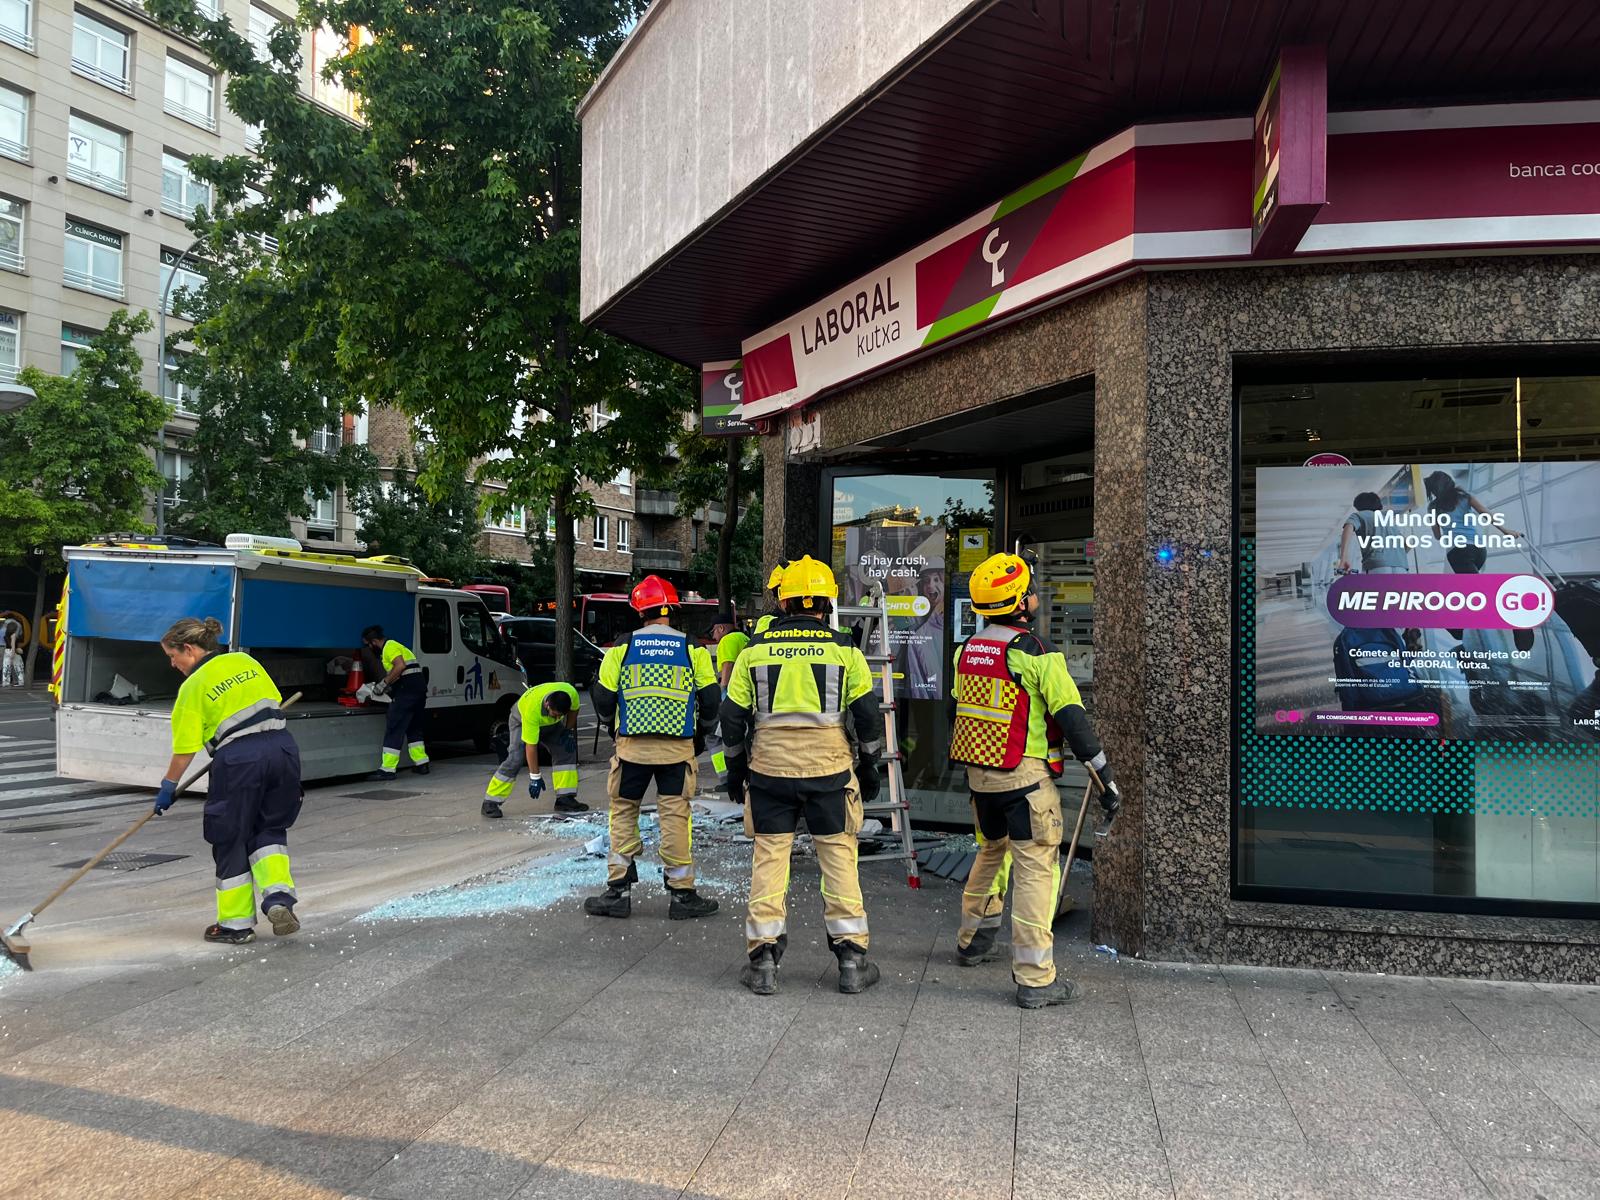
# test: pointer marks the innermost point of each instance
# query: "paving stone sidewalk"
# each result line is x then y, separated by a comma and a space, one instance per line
539, 1053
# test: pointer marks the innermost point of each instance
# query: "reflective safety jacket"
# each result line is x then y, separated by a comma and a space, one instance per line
801, 675
1015, 699
765, 620
657, 683
227, 696
531, 706
729, 648
393, 650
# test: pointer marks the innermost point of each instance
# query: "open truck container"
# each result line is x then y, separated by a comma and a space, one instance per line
299, 613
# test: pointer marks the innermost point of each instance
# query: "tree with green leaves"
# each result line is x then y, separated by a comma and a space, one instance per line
440, 274
725, 471
742, 559
75, 462
269, 439
438, 534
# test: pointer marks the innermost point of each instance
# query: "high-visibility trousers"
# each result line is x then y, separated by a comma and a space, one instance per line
403, 728
557, 748
253, 801
675, 783
1019, 832
831, 806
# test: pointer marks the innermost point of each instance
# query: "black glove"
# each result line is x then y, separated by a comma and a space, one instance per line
1110, 794
870, 781
699, 742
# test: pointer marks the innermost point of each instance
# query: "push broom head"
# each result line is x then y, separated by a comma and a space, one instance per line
15, 946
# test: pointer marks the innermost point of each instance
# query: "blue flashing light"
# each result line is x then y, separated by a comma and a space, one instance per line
1164, 554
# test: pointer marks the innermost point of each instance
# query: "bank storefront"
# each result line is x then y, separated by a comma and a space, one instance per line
1300, 415
1321, 541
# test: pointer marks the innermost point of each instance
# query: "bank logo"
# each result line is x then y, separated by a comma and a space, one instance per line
992, 254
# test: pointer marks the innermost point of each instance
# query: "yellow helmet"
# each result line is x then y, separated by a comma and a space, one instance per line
775, 578
806, 578
999, 585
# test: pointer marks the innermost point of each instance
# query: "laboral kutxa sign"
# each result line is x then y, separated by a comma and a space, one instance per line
1487, 176
1445, 599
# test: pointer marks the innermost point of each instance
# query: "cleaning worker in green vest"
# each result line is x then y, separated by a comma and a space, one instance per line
228, 706
404, 684
659, 690
803, 733
1016, 704
543, 728
774, 584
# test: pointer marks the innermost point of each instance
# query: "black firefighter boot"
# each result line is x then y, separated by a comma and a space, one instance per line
614, 901
688, 904
856, 974
1062, 991
980, 949
760, 974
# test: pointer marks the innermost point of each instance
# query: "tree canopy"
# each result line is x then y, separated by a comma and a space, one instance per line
440, 535
440, 270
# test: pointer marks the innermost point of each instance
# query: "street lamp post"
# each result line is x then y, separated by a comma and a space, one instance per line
161, 379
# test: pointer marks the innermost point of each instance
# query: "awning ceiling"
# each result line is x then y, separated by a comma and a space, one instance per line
1028, 83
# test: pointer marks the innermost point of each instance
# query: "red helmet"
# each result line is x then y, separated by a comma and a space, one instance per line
652, 596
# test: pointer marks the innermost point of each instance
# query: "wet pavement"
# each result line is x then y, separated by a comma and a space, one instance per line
449, 1024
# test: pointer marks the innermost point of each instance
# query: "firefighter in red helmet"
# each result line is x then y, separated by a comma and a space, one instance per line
658, 689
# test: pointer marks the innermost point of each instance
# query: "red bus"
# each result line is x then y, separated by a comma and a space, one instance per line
605, 618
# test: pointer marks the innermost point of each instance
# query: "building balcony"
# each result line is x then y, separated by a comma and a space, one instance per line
653, 503
657, 558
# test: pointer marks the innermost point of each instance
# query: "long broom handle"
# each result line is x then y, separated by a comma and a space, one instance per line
133, 829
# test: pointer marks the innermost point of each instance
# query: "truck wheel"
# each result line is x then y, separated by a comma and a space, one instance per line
493, 736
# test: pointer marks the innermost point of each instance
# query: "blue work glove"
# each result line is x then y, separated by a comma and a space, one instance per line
165, 797
535, 786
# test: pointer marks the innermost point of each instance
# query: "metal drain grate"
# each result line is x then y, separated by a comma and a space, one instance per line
385, 794
125, 860
47, 828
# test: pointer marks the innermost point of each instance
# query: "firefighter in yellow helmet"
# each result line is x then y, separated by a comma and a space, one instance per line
1016, 704
802, 732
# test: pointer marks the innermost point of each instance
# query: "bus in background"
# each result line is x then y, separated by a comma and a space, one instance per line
496, 595
605, 618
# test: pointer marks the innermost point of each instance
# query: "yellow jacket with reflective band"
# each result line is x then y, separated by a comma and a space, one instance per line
393, 650
229, 692
1044, 676
531, 705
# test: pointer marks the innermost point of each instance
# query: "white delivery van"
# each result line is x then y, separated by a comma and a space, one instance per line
300, 613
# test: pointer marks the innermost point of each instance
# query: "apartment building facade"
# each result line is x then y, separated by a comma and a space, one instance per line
101, 110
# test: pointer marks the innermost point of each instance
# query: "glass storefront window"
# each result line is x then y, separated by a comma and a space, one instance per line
918, 537
1418, 602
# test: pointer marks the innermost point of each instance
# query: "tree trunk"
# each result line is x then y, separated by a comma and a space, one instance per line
730, 525
38, 621
565, 578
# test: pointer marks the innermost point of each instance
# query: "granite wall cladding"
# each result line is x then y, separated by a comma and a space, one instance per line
1162, 349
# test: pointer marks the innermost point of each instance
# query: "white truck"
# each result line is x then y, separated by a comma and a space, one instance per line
300, 613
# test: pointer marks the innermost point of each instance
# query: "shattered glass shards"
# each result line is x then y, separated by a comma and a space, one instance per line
722, 870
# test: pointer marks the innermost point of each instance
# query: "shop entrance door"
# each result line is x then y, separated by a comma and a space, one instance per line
1050, 514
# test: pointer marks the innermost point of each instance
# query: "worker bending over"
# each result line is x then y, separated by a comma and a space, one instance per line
228, 706
543, 729
658, 689
404, 684
1015, 704
802, 731
730, 641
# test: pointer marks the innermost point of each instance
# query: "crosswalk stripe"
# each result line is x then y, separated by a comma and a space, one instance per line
87, 804
24, 743
40, 793
29, 777
31, 759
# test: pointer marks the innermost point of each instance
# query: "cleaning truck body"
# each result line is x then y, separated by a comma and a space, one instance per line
300, 614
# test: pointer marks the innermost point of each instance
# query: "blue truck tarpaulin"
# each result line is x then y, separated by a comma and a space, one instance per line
138, 601
319, 616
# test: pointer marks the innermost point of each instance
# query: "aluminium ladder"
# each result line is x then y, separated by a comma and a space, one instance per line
892, 804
